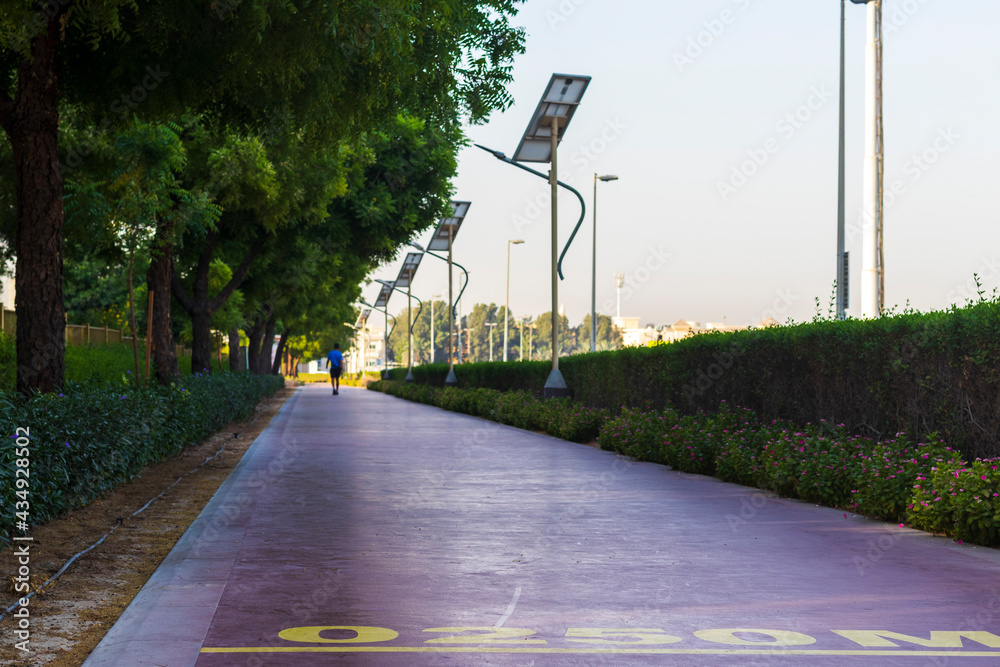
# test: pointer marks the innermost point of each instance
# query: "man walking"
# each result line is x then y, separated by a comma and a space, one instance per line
335, 362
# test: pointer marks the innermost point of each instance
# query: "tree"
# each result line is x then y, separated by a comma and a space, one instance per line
479, 333
609, 337
327, 65
543, 336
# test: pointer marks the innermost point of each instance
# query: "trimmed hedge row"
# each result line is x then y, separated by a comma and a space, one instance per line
914, 373
562, 418
90, 440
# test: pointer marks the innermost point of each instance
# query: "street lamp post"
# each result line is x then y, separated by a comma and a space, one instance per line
381, 305
540, 143
491, 325
593, 282
360, 326
405, 279
520, 356
506, 302
433, 339
409, 319
443, 239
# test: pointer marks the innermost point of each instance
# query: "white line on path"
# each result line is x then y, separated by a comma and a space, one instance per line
510, 608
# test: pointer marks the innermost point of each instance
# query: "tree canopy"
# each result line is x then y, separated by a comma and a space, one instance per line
292, 123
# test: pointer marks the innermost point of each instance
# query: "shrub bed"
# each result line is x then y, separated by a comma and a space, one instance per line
89, 439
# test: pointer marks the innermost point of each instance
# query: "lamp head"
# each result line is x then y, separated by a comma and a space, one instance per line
516, 241
497, 154
417, 246
609, 177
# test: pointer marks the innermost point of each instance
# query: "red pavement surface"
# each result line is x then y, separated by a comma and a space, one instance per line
365, 530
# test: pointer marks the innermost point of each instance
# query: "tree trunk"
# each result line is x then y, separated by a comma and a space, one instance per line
158, 282
295, 366
256, 334
200, 305
267, 347
235, 358
201, 341
31, 120
280, 354
131, 307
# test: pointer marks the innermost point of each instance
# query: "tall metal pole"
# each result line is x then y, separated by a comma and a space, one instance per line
433, 350
451, 379
553, 179
872, 294
520, 356
385, 344
555, 386
841, 187
409, 332
458, 310
506, 304
593, 280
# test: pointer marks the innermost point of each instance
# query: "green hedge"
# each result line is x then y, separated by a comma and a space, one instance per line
89, 440
913, 373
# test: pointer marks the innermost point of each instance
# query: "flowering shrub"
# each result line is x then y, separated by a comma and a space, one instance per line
568, 420
637, 434
959, 499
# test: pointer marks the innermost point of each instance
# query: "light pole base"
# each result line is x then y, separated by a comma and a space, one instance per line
409, 375
451, 380
555, 386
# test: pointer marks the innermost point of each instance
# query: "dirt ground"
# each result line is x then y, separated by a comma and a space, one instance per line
70, 617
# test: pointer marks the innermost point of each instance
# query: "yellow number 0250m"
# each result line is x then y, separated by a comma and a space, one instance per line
484, 635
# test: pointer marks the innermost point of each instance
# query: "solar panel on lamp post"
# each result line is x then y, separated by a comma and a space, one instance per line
593, 282
410, 323
405, 279
382, 302
443, 239
540, 143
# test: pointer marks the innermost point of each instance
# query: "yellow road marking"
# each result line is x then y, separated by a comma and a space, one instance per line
626, 651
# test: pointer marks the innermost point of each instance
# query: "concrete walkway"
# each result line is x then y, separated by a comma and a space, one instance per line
365, 530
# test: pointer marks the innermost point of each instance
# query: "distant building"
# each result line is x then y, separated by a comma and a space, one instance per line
7, 287
365, 353
635, 336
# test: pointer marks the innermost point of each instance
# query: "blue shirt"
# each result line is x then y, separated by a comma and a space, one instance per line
335, 358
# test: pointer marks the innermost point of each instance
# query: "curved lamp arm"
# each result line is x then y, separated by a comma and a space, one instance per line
419, 310
393, 328
454, 308
583, 206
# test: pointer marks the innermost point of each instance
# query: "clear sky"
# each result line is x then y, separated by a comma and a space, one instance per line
685, 93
